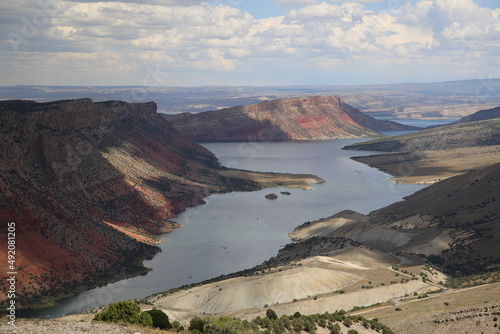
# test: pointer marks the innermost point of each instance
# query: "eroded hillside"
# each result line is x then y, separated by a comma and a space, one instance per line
89, 184
319, 117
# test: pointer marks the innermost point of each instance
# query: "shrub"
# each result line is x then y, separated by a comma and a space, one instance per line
196, 324
160, 319
127, 312
271, 314
347, 322
335, 329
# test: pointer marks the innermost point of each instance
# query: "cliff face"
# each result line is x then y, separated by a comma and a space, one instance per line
320, 117
85, 183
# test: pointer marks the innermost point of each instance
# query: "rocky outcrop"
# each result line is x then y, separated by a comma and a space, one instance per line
87, 184
319, 117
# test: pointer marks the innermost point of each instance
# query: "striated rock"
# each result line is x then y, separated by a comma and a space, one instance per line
319, 117
87, 184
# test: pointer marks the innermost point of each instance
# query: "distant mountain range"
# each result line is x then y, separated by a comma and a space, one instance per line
306, 118
449, 99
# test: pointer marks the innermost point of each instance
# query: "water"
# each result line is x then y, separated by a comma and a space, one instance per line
239, 230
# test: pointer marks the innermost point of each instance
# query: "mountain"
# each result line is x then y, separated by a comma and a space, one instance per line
319, 117
481, 115
88, 185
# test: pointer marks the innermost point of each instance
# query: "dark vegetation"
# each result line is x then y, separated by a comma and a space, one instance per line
295, 323
127, 312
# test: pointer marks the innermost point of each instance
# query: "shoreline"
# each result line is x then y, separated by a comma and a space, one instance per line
429, 167
261, 180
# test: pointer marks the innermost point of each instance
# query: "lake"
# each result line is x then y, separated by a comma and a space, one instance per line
239, 230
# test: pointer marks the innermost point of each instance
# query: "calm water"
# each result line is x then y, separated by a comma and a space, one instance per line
239, 230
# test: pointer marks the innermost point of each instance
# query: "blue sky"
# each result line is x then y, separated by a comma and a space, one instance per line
247, 42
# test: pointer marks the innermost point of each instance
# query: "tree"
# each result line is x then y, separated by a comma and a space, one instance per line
271, 314
160, 319
196, 324
127, 312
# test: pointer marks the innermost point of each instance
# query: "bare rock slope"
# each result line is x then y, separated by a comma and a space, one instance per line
319, 117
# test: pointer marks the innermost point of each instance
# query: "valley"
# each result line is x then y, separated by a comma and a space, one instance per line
396, 262
93, 184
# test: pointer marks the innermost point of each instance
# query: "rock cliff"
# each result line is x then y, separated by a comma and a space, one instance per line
88, 185
305, 118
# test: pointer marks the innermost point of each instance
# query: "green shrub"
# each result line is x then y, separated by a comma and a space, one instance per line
197, 324
126, 312
335, 329
271, 314
160, 319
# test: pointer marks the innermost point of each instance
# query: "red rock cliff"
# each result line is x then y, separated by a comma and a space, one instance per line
80, 178
319, 117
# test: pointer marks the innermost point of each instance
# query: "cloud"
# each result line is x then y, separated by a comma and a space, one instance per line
83, 36
296, 2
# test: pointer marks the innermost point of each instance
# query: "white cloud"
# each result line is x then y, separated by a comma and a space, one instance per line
296, 2
86, 35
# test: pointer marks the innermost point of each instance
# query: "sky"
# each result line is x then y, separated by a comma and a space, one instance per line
247, 42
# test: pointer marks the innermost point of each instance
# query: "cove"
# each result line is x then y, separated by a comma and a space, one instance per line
236, 231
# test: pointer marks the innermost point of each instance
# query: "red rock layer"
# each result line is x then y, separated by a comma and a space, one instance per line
69, 168
320, 117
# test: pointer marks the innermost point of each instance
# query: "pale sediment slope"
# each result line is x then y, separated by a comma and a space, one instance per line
359, 228
243, 293
340, 279
344, 301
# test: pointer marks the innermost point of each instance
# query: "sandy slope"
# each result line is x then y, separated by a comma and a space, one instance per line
278, 287
309, 286
358, 227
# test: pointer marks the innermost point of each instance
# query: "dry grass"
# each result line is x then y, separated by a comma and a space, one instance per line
418, 315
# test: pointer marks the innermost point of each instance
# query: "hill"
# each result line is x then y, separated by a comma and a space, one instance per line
481, 115
481, 133
435, 154
89, 185
457, 219
319, 117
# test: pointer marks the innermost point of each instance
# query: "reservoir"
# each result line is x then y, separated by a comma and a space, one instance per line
239, 230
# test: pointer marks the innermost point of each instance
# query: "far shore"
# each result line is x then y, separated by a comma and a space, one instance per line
428, 167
